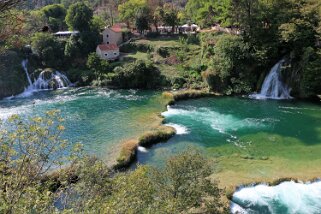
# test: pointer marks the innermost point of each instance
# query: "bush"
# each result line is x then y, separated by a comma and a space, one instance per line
311, 74
49, 49
134, 47
139, 74
81, 77
152, 34
180, 186
97, 65
229, 70
12, 78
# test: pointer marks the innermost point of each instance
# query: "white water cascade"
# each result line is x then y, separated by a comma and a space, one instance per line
273, 87
47, 80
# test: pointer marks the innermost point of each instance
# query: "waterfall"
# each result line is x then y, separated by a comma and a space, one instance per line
24, 65
273, 87
52, 80
47, 80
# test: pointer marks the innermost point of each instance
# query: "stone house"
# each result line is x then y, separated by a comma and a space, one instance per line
115, 34
108, 51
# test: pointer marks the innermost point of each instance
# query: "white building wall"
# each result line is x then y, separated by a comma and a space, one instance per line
112, 37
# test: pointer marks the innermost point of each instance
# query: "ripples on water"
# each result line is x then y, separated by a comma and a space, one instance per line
98, 118
285, 198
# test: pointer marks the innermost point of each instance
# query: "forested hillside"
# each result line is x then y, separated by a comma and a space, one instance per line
230, 63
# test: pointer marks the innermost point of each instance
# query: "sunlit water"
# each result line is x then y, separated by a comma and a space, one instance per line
252, 138
98, 118
249, 137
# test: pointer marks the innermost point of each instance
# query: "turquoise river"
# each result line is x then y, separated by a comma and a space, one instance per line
249, 140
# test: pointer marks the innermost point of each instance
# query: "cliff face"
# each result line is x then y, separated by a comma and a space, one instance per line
12, 77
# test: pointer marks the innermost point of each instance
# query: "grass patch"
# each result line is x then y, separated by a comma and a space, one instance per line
127, 154
161, 134
187, 94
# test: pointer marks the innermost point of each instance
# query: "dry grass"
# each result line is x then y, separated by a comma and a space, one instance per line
187, 94
161, 134
127, 154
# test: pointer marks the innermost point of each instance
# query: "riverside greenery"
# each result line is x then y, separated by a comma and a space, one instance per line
37, 175
271, 31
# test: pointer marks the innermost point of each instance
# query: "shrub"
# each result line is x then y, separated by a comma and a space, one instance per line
139, 74
180, 186
48, 48
29, 150
311, 74
152, 34
229, 68
97, 65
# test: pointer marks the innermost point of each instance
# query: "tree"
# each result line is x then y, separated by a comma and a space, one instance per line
183, 184
55, 15
79, 17
48, 48
28, 151
6, 5
97, 66
142, 19
139, 74
169, 15
128, 10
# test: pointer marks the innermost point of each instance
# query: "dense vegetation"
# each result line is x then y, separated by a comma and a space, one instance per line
257, 35
229, 63
34, 177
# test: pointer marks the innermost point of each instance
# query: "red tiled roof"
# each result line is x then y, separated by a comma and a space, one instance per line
119, 27
116, 29
109, 47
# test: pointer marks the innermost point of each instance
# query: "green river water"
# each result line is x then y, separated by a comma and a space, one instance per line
250, 140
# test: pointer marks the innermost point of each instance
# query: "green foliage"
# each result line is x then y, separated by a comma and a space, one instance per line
28, 151
31, 149
168, 15
142, 19
180, 186
12, 78
79, 17
55, 15
228, 67
128, 10
138, 74
48, 49
203, 13
97, 66
311, 77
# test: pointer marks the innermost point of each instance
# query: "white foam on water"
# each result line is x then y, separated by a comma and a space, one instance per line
273, 87
223, 123
142, 149
291, 197
180, 129
44, 81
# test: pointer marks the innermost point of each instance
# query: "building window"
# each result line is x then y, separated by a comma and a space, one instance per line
107, 42
107, 35
115, 53
106, 54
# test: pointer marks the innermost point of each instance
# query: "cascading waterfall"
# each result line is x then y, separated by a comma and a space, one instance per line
273, 87
52, 80
24, 65
47, 80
